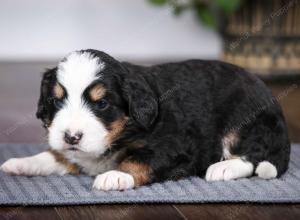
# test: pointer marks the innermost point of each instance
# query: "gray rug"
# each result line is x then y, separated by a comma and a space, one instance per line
56, 190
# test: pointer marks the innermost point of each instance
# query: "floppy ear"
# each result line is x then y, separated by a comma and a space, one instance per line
142, 103
45, 95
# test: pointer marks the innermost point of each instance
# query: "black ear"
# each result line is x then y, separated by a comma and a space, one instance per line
48, 80
142, 103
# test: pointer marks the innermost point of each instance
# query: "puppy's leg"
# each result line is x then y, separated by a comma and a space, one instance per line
229, 169
144, 165
45, 163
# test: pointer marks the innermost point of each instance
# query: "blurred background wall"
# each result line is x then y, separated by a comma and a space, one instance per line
261, 35
129, 30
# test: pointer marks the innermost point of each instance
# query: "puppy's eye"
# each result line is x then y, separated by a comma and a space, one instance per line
102, 104
58, 103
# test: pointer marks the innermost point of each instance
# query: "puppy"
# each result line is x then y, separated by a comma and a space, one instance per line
130, 125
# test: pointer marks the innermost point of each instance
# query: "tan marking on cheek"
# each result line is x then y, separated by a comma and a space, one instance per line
116, 129
97, 92
229, 141
72, 168
58, 91
141, 172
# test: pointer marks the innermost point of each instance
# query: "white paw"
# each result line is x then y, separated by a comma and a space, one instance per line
229, 170
113, 180
16, 166
266, 170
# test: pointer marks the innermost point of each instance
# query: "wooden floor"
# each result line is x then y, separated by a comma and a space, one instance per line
155, 212
19, 90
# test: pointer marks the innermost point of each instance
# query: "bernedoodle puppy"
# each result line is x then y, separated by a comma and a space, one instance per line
131, 125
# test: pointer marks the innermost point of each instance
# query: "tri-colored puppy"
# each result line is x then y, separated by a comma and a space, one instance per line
130, 125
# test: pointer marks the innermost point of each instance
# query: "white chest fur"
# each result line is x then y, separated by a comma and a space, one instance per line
92, 165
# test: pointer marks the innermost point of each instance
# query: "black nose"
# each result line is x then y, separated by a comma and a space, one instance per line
72, 139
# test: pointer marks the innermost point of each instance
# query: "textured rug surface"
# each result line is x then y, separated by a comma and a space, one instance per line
57, 190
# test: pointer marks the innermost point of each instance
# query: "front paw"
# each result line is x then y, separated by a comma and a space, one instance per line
114, 180
15, 166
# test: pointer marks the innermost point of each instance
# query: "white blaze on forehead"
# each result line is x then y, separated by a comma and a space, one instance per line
78, 71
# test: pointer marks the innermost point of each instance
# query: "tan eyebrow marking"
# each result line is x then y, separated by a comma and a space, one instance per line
58, 91
97, 92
